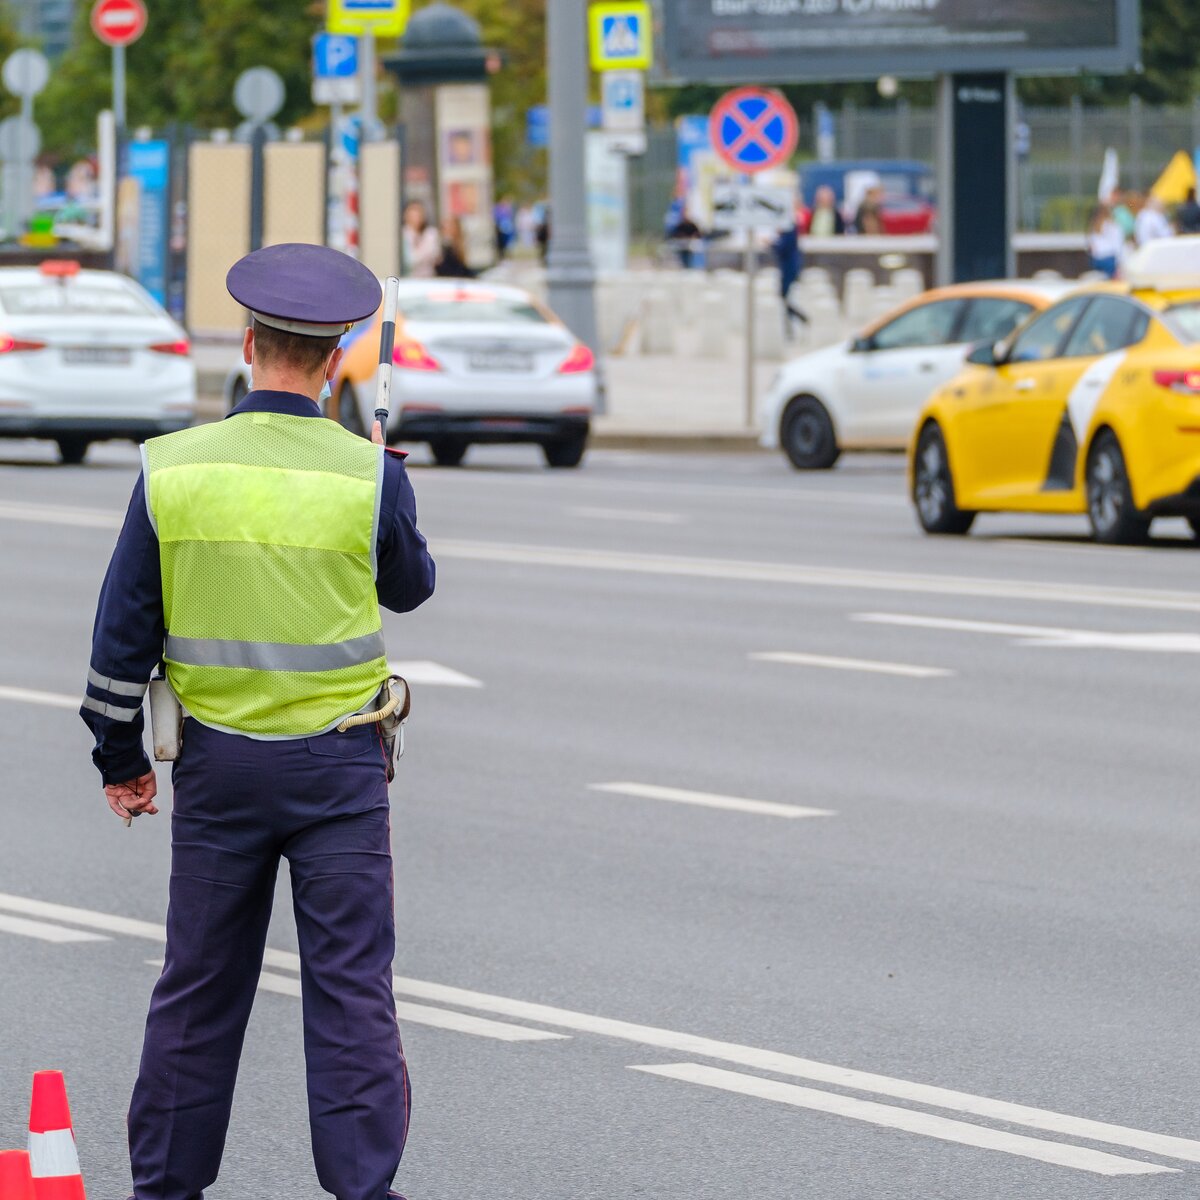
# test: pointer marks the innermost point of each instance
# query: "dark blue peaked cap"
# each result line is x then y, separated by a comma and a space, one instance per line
309, 290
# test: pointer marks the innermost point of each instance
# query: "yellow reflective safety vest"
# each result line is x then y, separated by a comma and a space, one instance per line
267, 528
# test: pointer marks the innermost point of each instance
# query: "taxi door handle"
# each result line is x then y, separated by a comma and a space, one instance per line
1026, 385
927, 366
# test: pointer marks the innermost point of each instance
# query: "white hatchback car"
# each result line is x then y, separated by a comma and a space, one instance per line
87, 356
865, 394
474, 362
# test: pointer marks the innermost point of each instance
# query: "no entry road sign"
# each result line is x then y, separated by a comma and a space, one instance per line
753, 129
119, 22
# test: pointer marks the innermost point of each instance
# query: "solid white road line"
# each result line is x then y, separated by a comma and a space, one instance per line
433, 674
1046, 635
800, 575
435, 1018
795, 574
763, 808
50, 699
45, 932
851, 664
908, 1120
641, 516
770, 1061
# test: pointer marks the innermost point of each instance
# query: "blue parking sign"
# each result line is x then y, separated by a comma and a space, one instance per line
335, 56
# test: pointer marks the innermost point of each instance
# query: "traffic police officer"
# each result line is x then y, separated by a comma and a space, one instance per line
253, 562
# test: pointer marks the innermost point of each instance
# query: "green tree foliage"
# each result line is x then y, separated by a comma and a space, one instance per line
183, 69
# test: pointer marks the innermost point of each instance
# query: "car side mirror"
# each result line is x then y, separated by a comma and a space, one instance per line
985, 354
862, 345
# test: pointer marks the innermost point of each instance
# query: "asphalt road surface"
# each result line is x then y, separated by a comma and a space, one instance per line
749, 844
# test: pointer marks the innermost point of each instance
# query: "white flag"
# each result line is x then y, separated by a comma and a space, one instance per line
1110, 175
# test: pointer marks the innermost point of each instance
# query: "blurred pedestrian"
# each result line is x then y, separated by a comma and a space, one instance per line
790, 260
422, 246
1125, 207
1105, 241
505, 218
453, 263
1152, 222
543, 232
825, 219
869, 218
1187, 215
685, 237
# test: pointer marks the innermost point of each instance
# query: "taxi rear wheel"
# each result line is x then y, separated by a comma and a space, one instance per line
807, 435
73, 450
1115, 520
448, 452
933, 487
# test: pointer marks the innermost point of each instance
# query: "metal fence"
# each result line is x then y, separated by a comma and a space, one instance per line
1061, 152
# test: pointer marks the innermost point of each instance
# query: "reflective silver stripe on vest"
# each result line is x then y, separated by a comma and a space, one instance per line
118, 687
110, 710
275, 656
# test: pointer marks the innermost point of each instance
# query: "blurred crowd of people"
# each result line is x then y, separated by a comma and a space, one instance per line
1131, 220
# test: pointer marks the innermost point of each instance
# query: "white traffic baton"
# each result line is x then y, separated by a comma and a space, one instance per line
387, 348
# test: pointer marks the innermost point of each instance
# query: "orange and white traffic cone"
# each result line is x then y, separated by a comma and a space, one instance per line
52, 1155
16, 1179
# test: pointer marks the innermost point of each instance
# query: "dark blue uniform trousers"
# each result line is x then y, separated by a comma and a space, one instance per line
240, 805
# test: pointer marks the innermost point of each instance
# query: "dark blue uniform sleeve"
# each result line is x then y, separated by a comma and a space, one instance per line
405, 575
127, 644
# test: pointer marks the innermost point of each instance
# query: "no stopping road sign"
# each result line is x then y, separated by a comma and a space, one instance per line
753, 129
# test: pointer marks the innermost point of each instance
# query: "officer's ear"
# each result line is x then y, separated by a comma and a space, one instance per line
335, 361
248, 346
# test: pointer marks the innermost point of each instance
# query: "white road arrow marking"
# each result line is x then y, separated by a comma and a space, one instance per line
1047, 635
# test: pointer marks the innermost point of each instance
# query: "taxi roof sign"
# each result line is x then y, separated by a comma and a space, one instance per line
622, 35
383, 18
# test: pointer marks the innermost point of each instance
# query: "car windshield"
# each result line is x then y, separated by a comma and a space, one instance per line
470, 307
52, 298
1184, 320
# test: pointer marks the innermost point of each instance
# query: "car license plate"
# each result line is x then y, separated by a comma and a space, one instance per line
508, 361
97, 356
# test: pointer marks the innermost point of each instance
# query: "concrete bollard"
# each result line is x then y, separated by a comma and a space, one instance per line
1047, 273
825, 325
712, 324
857, 289
768, 327
908, 283
658, 322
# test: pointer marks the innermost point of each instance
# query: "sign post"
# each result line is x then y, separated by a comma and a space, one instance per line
25, 74
368, 20
119, 23
753, 129
258, 95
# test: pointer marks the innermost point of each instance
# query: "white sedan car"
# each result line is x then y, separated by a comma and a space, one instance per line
865, 394
474, 362
87, 356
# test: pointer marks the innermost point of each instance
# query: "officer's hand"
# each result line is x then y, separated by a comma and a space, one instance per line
377, 434
129, 800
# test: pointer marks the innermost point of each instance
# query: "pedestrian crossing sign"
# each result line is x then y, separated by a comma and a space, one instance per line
622, 35
383, 18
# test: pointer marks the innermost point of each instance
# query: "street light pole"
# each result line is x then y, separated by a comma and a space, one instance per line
570, 274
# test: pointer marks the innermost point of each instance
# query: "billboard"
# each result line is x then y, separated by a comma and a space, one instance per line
794, 41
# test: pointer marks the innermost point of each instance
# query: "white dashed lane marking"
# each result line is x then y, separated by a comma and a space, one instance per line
871, 666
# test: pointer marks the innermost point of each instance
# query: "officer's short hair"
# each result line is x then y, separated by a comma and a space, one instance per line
275, 347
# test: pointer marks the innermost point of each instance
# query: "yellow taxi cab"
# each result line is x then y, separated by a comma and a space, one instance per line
1092, 406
